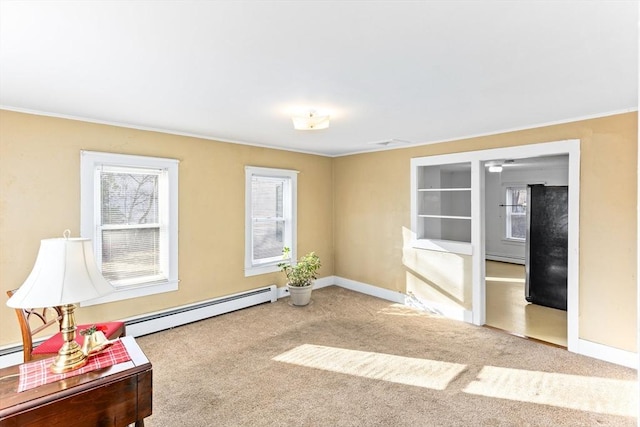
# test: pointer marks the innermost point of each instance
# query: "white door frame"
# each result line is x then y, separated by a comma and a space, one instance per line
572, 149
477, 159
477, 315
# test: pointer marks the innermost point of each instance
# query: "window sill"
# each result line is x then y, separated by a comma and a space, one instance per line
263, 269
513, 241
142, 290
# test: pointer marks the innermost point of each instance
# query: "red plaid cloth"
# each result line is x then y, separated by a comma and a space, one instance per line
37, 373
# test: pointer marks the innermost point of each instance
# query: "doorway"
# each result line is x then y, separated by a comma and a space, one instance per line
506, 205
472, 250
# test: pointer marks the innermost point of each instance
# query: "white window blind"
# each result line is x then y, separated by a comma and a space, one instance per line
130, 225
270, 217
516, 213
129, 209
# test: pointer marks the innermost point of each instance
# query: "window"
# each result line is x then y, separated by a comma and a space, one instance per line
129, 209
270, 217
516, 213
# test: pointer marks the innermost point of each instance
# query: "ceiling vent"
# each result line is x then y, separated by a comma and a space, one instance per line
391, 142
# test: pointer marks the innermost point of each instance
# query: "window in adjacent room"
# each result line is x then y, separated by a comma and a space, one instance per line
516, 213
270, 217
129, 209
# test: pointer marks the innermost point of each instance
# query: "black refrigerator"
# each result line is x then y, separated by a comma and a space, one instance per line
547, 246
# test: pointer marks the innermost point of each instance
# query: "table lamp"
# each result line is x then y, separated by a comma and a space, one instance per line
65, 273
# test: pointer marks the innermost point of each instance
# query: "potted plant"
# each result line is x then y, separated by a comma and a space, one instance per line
300, 276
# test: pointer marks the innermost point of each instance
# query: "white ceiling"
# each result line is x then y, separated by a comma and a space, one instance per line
419, 71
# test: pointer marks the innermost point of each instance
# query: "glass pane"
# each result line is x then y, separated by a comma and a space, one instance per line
129, 198
130, 253
268, 239
266, 195
518, 228
517, 200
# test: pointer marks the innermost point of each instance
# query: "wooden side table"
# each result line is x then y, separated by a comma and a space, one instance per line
115, 396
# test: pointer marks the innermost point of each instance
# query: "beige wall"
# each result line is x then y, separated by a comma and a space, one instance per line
40, 197
372, 217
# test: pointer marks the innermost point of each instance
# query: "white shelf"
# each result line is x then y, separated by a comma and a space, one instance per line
441, 206
444, 189
443, 216
462, 248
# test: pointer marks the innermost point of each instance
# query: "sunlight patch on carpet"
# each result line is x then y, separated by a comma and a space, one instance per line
601, 395
404, 310
386, 367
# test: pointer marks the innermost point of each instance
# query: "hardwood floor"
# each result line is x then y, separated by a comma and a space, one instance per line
507, 308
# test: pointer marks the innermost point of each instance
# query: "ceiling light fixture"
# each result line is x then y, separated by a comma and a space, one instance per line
310, 121
495, 168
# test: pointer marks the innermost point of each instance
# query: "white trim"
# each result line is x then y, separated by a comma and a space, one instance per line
458, 247
251, 144
608, 354
13, 358
443, 246
501, 258
290, 214
374, 291
496, 132
450, 312
263, 269
478, 261
177, 316
130, 292
586, 348
570, 147
321, 282
155, 129
89, 161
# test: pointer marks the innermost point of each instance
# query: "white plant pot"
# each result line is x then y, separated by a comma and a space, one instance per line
300, 295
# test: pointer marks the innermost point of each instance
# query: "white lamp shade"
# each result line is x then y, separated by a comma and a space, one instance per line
65, 272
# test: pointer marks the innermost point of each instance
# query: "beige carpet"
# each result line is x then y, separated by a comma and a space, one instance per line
349, 359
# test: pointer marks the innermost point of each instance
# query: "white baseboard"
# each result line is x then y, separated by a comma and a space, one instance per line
166, 319
12, 358
448, 311
585, 348
154, 322
501, 258
322, 282
608, 354
375, 291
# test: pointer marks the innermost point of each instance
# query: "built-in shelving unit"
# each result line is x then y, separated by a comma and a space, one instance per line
442, 206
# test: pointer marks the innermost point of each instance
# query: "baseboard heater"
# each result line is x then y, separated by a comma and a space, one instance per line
159, 321
162, 320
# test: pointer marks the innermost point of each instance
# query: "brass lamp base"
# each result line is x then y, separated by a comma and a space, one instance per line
70, 355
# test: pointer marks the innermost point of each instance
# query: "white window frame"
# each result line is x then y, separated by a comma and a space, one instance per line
270, 265
90, 202
508, 214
